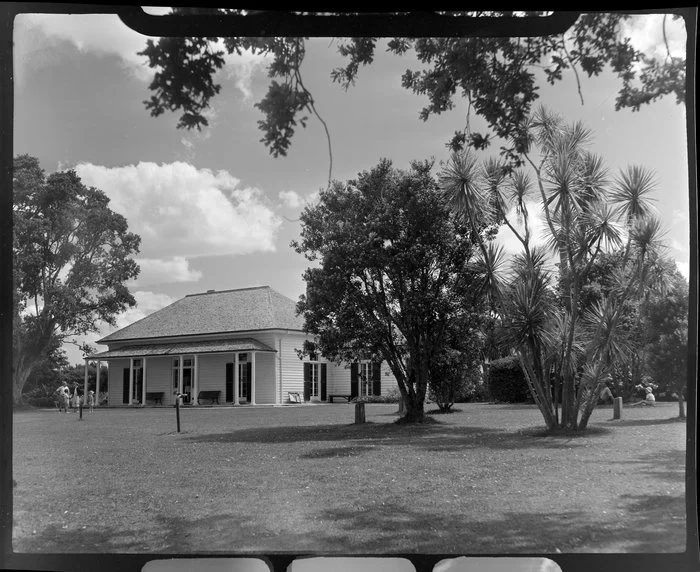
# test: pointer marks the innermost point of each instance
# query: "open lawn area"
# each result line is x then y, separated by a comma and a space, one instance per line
306, 479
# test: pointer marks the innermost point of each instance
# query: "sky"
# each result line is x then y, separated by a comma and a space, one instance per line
214, 209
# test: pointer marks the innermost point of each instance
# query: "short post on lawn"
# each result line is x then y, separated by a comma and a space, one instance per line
178, 398
359, 412
617, 408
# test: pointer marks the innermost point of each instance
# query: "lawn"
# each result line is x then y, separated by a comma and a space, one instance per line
306, 479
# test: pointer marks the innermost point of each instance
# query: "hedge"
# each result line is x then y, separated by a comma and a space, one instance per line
507, 382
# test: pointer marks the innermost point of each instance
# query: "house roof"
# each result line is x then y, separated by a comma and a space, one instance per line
182, 348
215, 312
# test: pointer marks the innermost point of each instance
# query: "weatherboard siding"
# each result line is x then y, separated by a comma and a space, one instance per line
159, 377
212, 373
115, 386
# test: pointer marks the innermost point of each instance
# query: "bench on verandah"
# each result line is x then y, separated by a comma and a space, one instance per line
334, 395
156, 396
210, 395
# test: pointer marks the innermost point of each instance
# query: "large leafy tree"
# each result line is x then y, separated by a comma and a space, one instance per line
393, 273
496, 75
71, 255
667, 333
566, 353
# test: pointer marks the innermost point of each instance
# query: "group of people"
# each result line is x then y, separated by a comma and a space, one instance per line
66, 400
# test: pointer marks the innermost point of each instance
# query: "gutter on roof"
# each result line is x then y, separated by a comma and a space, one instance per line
215, 334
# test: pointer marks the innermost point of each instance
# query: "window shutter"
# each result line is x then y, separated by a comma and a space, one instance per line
229, 382
249, 376
125, 394
376, 379
353, 380
323, 381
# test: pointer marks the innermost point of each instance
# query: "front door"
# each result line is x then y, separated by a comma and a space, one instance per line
125, 392
315, 381
245, 372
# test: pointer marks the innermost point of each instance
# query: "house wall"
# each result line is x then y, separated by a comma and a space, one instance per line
341, 383
291, 366
284, 364
159, 377
115, 385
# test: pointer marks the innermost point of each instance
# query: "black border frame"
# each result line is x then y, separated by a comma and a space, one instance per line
261, 23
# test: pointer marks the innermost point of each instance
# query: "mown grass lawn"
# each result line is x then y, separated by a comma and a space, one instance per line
306, 479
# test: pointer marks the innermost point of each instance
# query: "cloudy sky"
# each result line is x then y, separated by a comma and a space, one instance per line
214, 209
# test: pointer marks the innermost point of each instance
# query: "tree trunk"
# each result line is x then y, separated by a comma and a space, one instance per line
414, 411
20, 375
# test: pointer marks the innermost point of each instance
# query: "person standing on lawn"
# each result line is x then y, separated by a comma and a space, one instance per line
63, 397
91, 400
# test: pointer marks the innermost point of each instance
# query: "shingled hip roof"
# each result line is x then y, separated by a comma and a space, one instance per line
181, 348
222, 312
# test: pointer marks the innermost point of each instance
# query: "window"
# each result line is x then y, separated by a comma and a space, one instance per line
365, 378
187, 376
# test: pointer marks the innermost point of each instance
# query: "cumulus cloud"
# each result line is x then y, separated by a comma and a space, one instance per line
159, 271
38, 39
646, 32
181, 212
291, 199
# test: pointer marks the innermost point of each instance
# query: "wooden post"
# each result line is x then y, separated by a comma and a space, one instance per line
85, 386
97, 384
80, 408
236, 399
359, 412
131, 380
251, 397
195, 381
177, 411
143, 381
617, 408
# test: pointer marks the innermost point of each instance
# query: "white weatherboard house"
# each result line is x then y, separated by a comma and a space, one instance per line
227, 347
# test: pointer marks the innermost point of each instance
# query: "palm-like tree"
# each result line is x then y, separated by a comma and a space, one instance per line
563, 354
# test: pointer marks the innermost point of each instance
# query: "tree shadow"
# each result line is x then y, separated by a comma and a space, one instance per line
55, 540
433, 437
646, 422
668, 466
335, 452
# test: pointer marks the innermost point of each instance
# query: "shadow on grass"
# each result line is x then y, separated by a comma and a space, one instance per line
56, 540
668, 466
337, 452
433, 437
644, 422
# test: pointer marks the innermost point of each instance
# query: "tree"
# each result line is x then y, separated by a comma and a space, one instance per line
454, 371
667, 331
71, 259
393, 272
566, 354
496, 75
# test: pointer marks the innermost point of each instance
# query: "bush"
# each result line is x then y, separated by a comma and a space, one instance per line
392, 396
507, 381
42, 402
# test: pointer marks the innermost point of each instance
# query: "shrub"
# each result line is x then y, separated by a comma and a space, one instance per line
392, 396
41, 402
507, 382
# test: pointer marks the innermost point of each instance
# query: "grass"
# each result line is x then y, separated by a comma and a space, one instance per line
306, 479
